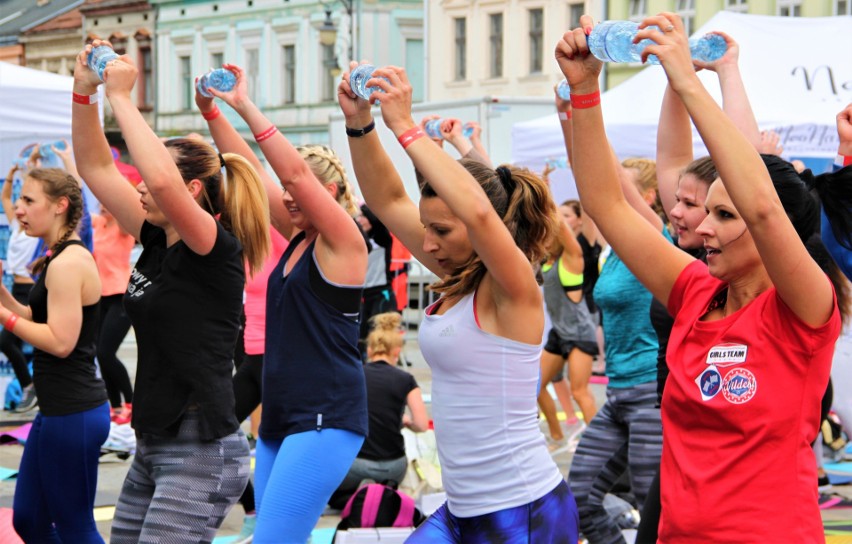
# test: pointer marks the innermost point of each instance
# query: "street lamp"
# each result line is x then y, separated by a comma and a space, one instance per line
328, 31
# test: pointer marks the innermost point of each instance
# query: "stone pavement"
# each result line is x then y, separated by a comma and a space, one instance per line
112, 470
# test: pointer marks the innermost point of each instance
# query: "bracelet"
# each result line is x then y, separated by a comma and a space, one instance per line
85, 99
582, 101
410, 136
9, 325
565, 115
358, 132
212, 114
266, 134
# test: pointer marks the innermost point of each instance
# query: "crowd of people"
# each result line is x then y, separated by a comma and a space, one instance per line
714, 289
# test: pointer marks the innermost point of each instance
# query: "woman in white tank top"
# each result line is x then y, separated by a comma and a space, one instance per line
483, 230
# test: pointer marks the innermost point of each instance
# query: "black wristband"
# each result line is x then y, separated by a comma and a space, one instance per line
358, 132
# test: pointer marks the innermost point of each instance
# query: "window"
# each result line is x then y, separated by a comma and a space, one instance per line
536, 39
842, 7
288, 73
496, 39
146, 73
217, 59
789, 8
186, 82
740, 6
252, 69
637, 10
329, 68
575, 11
119, 43
686, 10
461, 48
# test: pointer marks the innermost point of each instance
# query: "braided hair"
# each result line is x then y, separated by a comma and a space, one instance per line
56, 184
326, 166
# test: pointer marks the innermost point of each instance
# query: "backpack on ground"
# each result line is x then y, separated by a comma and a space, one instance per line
378, 505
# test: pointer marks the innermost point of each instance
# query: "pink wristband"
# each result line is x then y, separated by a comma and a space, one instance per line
9, 325
410, 136
266, 134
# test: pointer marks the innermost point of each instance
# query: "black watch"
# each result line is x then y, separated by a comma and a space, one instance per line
358, 132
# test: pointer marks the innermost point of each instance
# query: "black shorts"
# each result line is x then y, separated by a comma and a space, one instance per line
555, 344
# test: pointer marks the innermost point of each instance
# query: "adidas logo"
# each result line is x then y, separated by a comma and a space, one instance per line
448, 331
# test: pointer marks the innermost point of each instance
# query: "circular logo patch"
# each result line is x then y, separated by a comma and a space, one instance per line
740, 386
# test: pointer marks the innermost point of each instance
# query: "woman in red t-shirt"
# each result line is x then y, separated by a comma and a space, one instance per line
750, 350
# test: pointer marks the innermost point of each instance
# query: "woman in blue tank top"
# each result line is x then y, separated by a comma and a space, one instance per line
479, 230
314, 394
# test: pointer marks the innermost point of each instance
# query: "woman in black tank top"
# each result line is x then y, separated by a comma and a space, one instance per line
56, 484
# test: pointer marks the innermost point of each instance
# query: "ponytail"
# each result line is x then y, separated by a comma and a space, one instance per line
386, 334
246, 210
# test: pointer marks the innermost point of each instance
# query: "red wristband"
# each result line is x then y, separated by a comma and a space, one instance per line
266, 134
410, 136
212, 114
582, 101
85, 99
565, 115
843, 160
9, 325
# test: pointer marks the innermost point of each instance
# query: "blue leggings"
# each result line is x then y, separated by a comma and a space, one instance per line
55, 492
294, 478
552, 519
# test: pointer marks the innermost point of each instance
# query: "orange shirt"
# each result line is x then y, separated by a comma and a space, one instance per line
112, 254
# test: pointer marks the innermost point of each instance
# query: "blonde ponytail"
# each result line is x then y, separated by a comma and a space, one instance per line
246, 210
386, 335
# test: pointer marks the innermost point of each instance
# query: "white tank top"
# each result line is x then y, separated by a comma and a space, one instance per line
20, 252
484, 387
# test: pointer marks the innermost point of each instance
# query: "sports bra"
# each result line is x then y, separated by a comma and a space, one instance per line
569, 280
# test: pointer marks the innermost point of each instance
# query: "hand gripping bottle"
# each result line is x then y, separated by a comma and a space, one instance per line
612, 41
358, 81
220, 79
433, 129
99, 57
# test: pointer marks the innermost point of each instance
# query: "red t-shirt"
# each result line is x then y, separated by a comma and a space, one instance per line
740, 411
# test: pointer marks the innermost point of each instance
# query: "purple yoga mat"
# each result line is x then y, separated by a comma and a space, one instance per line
17, 435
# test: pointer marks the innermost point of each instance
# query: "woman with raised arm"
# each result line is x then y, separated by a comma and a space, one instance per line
58, 475
753, 328
314, 396
184, 300
480, 230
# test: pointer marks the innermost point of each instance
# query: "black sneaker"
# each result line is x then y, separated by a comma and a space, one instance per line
28, 400
823, 483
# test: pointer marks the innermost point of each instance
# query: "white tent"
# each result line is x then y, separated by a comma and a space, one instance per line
797, 72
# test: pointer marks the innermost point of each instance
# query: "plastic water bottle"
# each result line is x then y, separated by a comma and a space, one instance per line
46, 149
612, 41
358, 81
220, 79
433, 129
563, 91
99, 57
557, 163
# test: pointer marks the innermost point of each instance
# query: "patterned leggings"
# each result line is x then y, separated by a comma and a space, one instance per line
626, 432
552, 519
179, 489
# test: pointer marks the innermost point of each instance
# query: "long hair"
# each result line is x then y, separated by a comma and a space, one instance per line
647, 179
57, 183
238, 198
386, 334
326, 166
523, 202
835, 197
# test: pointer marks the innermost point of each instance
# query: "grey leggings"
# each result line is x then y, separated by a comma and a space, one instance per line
625, 433
178, 490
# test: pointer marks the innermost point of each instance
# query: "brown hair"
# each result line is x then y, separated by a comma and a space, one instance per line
58, 183
326, 166
522, 200
386, 334
574, 205
702, 169
242, 207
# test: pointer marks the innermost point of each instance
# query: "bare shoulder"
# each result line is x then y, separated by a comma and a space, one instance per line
74, 266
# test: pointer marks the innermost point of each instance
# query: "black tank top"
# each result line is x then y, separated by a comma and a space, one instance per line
66, 385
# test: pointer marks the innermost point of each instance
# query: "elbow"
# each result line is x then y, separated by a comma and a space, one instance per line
62, 351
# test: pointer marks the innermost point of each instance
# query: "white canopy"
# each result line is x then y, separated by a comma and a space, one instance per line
797, 72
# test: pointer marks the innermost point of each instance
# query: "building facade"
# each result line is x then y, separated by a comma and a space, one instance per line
292, 75
53, 45
46, 24
505, 47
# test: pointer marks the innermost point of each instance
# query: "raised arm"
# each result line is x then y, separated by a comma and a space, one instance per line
378, 179
174, 196
338, 232
463, 195
800, 282
68, 162
479, 152
6, 195
228, 140
654, 261
97, 166
674, 147
735, 102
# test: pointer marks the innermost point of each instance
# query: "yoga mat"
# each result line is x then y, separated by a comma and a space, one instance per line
7, 532
843, 468
838, 479
318, 536
7, 474
17, 435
